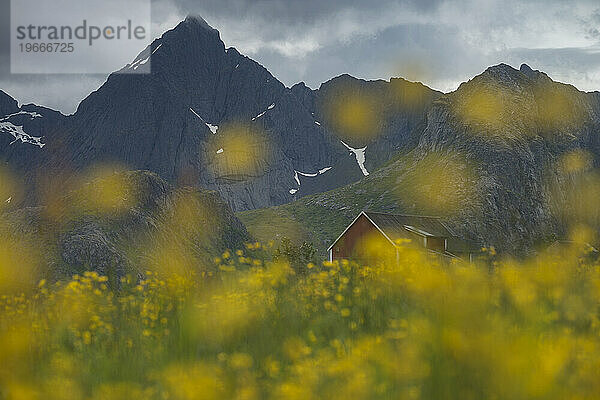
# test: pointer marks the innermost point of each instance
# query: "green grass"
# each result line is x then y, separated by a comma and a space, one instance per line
400, 329
320, 218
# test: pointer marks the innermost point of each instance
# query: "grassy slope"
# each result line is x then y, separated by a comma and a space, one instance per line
320, 218
437, 184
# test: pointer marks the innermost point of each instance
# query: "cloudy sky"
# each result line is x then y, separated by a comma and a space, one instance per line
440, 43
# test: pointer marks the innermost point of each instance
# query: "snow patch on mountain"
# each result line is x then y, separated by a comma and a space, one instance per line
19, 134
360, 157
298, 173
196, 114
213, 128
144, 61
136, 64
259, 115
297, 177
32, 115
264, 112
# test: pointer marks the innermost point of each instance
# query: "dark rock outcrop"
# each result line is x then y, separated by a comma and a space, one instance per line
128, 222
515, 127
24, 134
510, 159
8, 105
207, 116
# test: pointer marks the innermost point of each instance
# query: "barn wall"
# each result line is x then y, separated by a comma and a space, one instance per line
358, 239
436, 244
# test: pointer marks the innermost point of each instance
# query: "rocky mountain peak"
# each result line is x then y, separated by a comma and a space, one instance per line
343, 79
532, 74
503, 75
8, 105
526, 69
305, 95
197, 21
194, 31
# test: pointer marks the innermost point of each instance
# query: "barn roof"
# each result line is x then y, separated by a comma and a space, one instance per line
393, 224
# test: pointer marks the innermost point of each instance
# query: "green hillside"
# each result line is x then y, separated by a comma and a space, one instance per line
494, 159
401, 186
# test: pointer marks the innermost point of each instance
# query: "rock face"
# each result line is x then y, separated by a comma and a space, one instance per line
128, 222
210, 117
516, 128
8, 105
387, 118
510, 159
24, 132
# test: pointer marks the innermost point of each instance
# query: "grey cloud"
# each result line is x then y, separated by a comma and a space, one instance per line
577, 66
592, 25
59, 92
439, 42
293, 11
449, 40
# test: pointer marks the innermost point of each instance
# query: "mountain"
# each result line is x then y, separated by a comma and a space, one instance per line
123, 222
509, 159
209, 117
24, 132
377, 116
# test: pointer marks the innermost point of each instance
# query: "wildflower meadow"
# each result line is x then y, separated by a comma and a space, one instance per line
417, 328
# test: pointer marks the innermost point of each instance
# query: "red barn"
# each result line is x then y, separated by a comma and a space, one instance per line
386, 230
